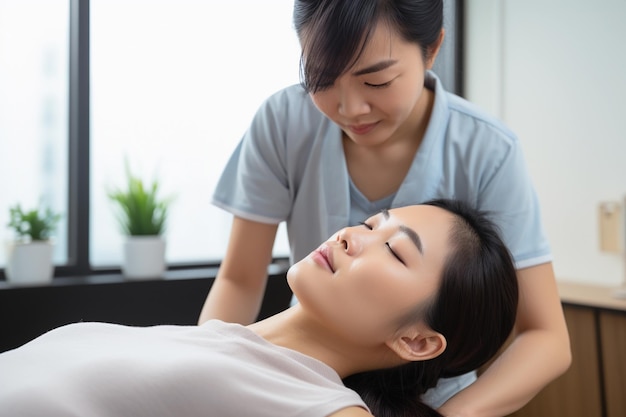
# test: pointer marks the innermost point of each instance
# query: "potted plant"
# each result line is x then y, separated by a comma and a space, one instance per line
29, 259
142, 215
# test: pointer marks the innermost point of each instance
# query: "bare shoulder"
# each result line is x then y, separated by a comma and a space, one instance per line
351, 412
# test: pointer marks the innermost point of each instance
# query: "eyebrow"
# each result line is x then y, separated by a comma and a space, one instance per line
412, 234
379, 66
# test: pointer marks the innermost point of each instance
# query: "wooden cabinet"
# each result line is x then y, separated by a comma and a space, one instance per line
595, 383
577, 392
613, 342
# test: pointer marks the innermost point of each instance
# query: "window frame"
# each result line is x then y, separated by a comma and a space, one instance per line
79, 130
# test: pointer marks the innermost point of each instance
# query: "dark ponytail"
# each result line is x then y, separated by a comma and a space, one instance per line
474, 309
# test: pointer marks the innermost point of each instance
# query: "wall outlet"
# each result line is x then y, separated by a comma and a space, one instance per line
611, 225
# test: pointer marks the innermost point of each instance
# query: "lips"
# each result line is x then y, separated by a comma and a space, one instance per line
362, 129
324, 257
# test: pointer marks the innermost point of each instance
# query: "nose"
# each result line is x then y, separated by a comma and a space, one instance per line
351, 240
351, 104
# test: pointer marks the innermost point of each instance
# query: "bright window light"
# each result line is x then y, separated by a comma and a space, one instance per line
174, 85
34, 48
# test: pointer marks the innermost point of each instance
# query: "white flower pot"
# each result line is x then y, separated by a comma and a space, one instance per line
144, 257
29, 263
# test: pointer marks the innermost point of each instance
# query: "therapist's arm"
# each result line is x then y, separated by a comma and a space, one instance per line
538, 354
237, 292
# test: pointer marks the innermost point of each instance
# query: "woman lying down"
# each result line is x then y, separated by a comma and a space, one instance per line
386, 308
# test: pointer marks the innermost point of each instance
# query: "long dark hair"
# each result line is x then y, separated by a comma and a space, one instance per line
474, 308
333, 33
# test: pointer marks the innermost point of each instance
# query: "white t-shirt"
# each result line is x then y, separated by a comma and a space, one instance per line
217, 369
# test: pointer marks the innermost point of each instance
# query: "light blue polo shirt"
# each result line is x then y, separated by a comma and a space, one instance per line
290, 166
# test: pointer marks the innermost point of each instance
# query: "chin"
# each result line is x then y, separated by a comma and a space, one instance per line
292, 272
297, 272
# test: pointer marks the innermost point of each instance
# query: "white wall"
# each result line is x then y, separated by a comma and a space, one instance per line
555, 72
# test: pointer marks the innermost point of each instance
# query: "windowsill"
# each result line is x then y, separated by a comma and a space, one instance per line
276, 268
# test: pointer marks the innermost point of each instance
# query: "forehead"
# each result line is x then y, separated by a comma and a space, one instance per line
432, 224
423, 214
385, 42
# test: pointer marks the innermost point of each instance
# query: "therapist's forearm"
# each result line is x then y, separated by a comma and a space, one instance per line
533, 360
232, 303
238, 289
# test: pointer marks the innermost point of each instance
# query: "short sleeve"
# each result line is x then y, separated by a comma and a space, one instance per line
509, 196
254, 184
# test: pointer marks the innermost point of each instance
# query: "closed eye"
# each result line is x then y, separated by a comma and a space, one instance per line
386, 243
383, 85
394, 253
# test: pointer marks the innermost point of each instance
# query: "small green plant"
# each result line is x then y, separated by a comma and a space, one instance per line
33, 225
140, 210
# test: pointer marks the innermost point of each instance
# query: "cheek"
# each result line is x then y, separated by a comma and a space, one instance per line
384, 292
409, 98
325, 102
374, 303
402, 99
393, 106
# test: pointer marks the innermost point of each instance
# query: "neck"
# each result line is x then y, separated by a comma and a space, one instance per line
294, 330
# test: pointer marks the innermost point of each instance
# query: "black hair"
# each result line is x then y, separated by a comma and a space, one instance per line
333, 33
474, 309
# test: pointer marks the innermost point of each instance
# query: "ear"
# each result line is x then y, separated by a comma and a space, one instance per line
434, 50
418, 344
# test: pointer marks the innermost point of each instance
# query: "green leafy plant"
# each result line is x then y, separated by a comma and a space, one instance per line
140, 210
33, 225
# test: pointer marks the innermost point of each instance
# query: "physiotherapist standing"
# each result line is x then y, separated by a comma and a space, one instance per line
370, 128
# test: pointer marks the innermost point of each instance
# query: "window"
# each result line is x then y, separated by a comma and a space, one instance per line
173, 86
34, 48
